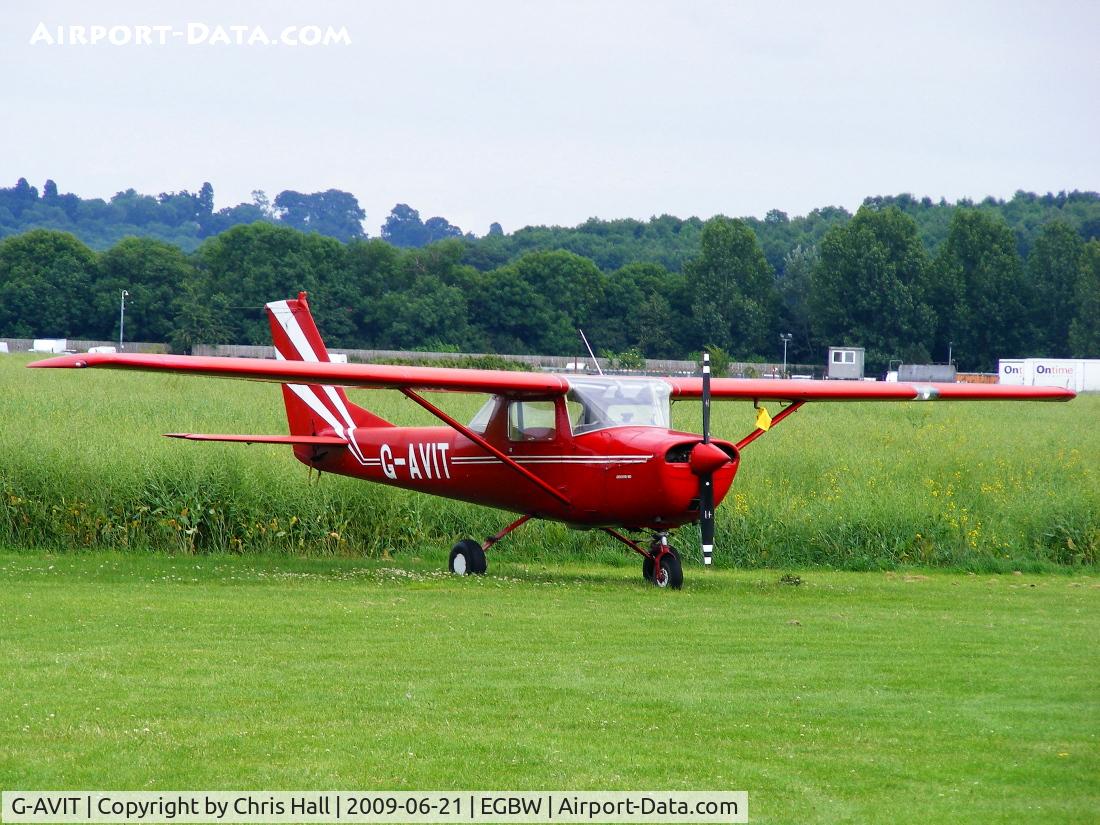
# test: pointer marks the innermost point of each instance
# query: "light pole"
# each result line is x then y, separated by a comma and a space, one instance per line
950, 347
785, 338
122, 318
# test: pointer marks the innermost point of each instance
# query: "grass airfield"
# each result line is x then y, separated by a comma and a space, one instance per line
182, 616
851, 697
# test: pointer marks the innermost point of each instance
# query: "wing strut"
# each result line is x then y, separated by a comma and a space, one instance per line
485, 445
759, 431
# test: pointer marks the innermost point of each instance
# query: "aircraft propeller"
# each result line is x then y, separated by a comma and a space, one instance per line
705, 458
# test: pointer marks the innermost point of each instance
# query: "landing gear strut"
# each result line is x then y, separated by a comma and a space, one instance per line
469, 557
660, 563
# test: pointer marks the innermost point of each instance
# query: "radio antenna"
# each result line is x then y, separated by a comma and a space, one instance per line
590, 352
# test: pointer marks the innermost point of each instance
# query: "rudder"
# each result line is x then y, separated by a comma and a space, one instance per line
311, 408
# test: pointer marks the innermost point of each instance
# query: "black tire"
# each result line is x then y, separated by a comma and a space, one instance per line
671, 573
647, 568
467, 558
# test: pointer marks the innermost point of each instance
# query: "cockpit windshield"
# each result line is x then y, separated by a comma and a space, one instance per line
598, 403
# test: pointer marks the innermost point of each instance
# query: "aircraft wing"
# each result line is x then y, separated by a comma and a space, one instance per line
804, 390
364, 376
503, 382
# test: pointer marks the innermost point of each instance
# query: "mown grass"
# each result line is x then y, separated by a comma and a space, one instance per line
850, 698
982, 487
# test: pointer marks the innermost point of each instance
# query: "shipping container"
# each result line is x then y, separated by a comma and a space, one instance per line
1010, 371
1077, 374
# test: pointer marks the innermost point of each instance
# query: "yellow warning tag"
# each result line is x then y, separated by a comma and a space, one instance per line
763, 420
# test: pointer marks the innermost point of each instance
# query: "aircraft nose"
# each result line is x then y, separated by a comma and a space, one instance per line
706, 458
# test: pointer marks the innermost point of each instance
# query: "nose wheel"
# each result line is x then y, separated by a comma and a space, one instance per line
662, 567
660, 563
669, 572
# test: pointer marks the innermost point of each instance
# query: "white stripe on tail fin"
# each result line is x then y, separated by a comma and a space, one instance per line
311, 408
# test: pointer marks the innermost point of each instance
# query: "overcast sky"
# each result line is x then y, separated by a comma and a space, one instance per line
552, 112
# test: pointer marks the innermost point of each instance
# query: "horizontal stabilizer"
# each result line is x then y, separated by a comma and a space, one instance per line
310, 440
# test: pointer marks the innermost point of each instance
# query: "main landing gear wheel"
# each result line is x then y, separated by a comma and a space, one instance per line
467, 558
670, 574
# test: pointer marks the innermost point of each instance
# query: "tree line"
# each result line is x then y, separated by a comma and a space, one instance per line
187, 218
902, 278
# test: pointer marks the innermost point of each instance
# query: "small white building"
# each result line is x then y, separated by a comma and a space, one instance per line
845, 363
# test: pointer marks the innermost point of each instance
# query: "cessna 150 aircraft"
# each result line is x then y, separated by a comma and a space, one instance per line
589, 451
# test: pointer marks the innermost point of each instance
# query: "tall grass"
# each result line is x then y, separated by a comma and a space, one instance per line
852, 486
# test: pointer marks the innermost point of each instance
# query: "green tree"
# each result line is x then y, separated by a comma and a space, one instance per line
869, 285
1084, 331
425, 301
154, 273
429, 313
206, 199
569, 290
794, 286
516, 318
373, 268
333, 213
201, 317
642, 308
45, 280
131, 207
404, 228
1054, 266
735, 304
260, 262
439, 229
990, 320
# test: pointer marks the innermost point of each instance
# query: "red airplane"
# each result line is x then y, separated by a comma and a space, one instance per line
589, 451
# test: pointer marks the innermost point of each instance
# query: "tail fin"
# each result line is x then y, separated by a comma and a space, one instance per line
311, 408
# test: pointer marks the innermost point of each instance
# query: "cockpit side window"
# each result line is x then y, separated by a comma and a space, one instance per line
532, 421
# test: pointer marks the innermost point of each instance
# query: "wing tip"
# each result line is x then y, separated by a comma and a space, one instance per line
60, 362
